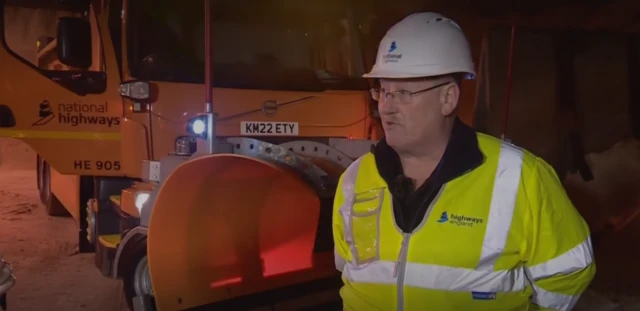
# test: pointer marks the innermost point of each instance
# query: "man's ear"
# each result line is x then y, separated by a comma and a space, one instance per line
449, 98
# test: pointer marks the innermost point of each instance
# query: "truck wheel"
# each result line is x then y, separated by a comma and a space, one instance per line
39, 172
51, 203
134, 268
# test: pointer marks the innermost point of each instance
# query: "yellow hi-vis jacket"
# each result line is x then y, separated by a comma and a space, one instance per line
503, 236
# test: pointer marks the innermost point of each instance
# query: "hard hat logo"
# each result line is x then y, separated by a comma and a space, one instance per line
432, 45
391, 57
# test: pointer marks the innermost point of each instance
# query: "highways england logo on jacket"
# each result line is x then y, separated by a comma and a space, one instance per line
459, 219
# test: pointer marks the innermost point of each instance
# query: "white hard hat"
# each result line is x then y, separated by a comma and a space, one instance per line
423, 45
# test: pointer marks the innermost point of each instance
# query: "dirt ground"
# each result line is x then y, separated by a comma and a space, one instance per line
50, 274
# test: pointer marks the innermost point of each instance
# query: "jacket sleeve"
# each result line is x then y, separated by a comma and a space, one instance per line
342, 252
560, 263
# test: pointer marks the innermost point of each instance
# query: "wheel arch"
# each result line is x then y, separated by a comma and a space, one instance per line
126, 246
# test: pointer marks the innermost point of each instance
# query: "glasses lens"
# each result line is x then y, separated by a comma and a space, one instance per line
403, 96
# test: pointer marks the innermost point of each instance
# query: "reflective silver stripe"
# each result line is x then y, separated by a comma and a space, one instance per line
348, 193
503, 202
576, 259
340, 262
438, 277
571, 261
551, 300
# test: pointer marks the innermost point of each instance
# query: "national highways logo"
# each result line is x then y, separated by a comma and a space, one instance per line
46, 114
392, 55
76, 114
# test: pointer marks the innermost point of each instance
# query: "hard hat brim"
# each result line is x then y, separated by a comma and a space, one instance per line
390, 74
395, 74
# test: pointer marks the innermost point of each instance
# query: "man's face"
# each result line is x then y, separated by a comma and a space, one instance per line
410, 120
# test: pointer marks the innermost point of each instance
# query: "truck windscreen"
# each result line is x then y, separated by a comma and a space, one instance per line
274, 45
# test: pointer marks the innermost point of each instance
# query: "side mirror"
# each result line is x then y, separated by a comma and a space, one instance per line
74, 42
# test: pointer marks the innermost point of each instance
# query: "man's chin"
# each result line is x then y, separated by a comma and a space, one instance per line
396, 141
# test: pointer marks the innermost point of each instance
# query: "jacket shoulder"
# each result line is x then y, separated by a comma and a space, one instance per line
492, 147
351, 172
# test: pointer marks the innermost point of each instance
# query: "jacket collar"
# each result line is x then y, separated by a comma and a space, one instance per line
461, 156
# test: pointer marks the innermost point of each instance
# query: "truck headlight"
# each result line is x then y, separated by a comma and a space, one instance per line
198, 126
140, 199
139, 90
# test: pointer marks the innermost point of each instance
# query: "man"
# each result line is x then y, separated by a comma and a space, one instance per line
439, 217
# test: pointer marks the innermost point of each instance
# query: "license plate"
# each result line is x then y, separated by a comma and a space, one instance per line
269, 128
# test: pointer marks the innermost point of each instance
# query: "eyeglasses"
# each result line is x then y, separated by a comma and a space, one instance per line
402, 96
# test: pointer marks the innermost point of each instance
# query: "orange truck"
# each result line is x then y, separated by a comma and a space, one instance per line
193, 191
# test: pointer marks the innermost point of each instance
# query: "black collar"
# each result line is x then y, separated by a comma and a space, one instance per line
461, 156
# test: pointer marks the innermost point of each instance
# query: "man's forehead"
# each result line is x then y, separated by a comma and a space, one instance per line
408, 83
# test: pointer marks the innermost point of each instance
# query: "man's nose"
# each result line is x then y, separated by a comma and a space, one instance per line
387, 106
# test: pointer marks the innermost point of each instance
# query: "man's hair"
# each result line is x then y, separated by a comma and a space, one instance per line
457, 77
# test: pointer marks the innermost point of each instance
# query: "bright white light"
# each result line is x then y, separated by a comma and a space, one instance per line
198, 127
141, 198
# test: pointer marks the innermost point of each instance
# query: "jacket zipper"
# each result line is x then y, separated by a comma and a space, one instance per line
401, 263
399, 269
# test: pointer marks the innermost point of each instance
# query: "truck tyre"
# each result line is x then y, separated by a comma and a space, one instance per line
39, 173
134, 269
51, 204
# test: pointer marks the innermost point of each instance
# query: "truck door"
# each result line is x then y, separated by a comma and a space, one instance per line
59, 85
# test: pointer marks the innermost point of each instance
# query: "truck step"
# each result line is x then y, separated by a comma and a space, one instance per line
109, 240
115, 199
106, 252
